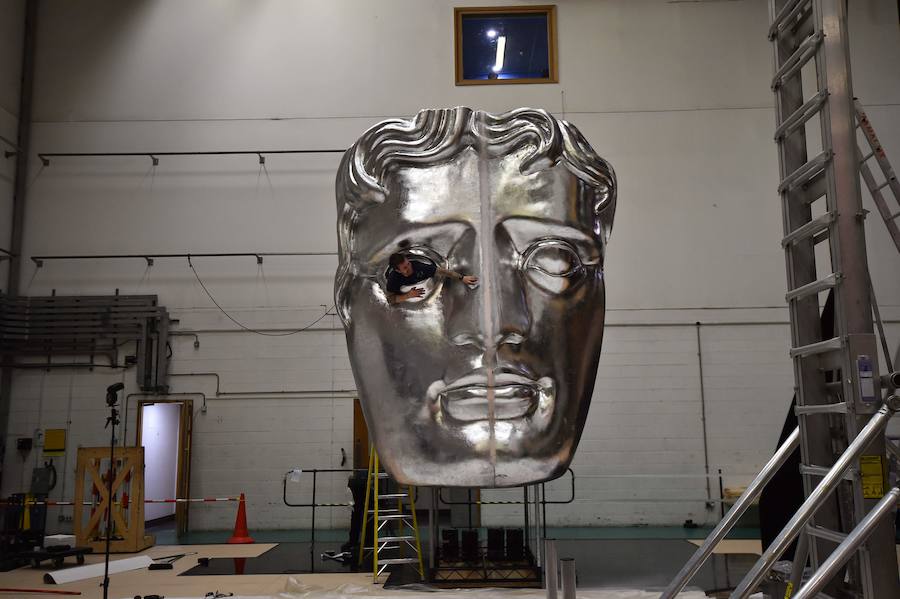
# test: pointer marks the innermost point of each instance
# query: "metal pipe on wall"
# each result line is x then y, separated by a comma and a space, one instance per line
327, 393
46, 156
200, 374
150, 257
23, 144
20, 189
703, 416
607, 325
196, 332
65, 457
622, 325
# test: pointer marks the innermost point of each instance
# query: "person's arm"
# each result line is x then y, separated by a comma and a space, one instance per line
467, 279
396, 298
449, 273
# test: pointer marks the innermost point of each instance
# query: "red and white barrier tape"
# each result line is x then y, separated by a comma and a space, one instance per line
200, 500
28, 502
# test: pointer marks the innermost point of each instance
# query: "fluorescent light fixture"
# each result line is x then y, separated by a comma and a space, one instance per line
501, 52
492, 33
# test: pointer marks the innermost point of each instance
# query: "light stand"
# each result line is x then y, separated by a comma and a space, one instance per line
111, 400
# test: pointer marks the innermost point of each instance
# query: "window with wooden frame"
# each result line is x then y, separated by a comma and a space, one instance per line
505, 44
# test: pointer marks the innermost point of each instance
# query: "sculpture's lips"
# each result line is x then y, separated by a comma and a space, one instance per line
468, 398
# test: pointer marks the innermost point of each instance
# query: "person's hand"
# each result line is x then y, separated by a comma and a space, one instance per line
415, 292
470, 279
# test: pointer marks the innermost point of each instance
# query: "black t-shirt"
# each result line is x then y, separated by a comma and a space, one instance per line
421, 271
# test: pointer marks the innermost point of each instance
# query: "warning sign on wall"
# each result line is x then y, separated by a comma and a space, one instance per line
872, 476
54, 442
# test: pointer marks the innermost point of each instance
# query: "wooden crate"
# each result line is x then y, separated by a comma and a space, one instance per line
91, 486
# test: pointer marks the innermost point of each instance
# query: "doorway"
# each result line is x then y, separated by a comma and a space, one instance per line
164, 431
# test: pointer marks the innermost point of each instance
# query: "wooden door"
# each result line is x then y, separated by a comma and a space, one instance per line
360, 437
184, 465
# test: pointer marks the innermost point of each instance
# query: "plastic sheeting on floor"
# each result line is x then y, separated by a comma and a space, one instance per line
94, 570
351, 591
296, 589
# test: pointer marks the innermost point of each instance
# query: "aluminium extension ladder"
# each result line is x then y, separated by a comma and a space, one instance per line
848, 540
890, 213
395, 530
837, 382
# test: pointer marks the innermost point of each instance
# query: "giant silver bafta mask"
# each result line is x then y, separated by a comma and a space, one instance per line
483, 385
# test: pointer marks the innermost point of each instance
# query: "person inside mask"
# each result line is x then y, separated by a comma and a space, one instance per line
405, 272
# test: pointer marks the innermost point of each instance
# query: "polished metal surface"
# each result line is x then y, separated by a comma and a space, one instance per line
484, 385
551, 568
567, 568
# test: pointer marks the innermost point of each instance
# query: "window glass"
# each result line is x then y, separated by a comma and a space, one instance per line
505, 45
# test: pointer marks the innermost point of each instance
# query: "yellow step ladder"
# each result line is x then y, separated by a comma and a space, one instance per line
395, 530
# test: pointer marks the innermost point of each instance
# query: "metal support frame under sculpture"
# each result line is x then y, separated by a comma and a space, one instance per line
487, 384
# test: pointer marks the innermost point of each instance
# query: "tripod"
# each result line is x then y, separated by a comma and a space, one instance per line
112, 400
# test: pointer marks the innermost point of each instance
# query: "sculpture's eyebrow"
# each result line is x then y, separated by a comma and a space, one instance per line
524, 231
440, 236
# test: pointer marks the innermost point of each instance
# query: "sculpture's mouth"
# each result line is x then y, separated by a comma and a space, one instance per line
468, 398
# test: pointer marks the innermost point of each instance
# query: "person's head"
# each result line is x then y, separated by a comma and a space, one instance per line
475, 387
401, 264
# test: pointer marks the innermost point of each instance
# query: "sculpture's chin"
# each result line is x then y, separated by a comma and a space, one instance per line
478, 472
456, 439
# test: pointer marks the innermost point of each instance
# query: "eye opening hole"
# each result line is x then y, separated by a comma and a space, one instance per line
414, 258
418, 257
552, 257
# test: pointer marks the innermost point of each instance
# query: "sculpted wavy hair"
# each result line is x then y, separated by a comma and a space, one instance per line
437, 135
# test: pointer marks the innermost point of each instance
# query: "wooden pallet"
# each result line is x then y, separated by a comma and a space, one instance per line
128, 517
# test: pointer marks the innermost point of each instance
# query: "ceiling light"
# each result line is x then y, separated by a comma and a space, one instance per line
501, 52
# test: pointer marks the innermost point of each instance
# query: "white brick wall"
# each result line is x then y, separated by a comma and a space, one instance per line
640, 460
696, 234
239, 445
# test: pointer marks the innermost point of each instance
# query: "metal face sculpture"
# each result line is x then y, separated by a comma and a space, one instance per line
487, 384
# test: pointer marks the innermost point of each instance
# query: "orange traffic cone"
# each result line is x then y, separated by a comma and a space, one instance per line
239, 563
241, 534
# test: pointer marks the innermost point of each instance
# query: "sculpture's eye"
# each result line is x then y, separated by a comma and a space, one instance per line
552, 265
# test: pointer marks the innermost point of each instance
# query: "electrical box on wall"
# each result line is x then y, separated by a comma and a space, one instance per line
43, 479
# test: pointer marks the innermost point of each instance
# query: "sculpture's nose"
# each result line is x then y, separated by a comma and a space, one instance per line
513, 322
496, 311
462, 305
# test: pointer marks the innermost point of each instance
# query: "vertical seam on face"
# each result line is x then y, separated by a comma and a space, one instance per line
487, 264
